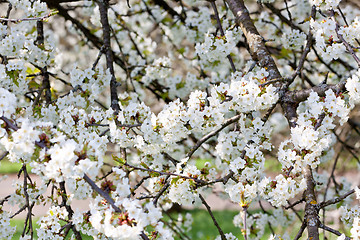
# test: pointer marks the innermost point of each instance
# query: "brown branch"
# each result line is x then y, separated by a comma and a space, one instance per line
199, 181
300, 232
170, 10
27, 19
258, 50
212, 217
268, 222
295, 203
53, 3
347, 45
244, 208
309, 40
40, 41
278, 13
311, 210
89, 36
329, 181
4, 155
212, 133
28, 220
102, 193
335, 200
298, 96
329, 229
2, 201
69, 210
103, 9
213, 5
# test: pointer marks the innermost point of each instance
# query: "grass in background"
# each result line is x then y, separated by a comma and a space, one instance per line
203, 227
7, 167
20, 226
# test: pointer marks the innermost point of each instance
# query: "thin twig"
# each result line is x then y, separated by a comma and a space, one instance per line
28, 19
212, 133
29, 206
162, 190
165, 173
4, 155
212, 217
69, 210
307, 49
347, 45
102, 193
244, 221
213, 5
335, 200
329, 229
295, 203
301, 230
103, 9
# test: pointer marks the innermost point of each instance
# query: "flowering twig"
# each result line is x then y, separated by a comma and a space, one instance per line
28, 220
102, 193
213, 5
165, 173
212, 133
69, 210
347, 45
29, 19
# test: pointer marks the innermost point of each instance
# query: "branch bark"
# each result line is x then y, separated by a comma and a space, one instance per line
103, 8
257, 46
46, 81
311, 211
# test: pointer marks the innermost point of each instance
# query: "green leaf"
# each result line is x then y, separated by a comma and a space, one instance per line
181, 50
119, 160
155, 174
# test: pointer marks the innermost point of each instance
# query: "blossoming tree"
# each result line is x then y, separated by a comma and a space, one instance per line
120, 102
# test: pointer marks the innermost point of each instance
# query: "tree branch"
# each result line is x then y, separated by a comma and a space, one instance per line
329, 229
103, 8
213, 218
258, 50
311, 210
335, 200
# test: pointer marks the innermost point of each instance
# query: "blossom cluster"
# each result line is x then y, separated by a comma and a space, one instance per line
7, 230
327, 4
259, 221
311, 137
326, 39
70, 137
